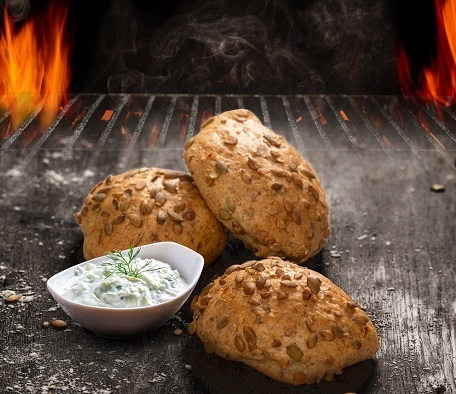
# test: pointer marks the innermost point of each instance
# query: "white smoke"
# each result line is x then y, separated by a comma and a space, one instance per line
229, 46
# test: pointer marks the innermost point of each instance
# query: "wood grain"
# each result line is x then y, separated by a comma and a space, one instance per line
392, 249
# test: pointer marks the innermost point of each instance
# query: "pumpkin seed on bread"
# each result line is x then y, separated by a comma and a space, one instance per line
286, 321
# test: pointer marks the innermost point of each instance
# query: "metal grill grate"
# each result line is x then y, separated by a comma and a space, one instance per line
149, 122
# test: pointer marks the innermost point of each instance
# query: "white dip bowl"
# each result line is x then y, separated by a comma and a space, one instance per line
129, 322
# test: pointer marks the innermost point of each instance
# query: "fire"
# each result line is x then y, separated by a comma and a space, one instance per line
34, 66
436, 82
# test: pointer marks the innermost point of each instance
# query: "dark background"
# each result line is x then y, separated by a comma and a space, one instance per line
232, 46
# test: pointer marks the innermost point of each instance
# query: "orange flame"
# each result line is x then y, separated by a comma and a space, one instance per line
34, 62
437, 82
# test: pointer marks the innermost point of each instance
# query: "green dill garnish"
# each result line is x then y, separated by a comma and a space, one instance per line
120, 264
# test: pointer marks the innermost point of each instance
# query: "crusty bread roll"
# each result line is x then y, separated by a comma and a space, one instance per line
149, 205
259, 186
287, 321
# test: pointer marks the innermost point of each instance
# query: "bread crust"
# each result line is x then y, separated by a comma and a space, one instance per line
259, 186
145, 206
286, 321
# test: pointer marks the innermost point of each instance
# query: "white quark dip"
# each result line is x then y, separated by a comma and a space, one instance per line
97, 284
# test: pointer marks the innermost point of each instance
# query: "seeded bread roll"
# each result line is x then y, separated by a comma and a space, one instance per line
286, 321
259, 186
149, 205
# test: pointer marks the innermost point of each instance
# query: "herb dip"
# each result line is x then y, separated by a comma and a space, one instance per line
101, 285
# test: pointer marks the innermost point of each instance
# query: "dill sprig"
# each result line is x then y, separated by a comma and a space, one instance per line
120, 264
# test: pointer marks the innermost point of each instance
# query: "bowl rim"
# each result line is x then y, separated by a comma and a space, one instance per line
189, 286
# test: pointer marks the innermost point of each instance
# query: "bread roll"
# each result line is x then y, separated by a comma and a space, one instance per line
286, 321
259, 186
149, 205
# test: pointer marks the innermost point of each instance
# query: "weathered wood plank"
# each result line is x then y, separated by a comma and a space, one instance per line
392, 249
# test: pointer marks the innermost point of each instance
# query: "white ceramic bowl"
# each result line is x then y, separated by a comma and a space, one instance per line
129, 322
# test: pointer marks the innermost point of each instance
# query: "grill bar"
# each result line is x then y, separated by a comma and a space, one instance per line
84, 121
401, 133
192, 119
369, 125
322, 123
165, 128
344, 126
318, 124
107, 131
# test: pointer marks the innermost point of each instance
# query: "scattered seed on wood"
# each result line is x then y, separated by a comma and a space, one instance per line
13, 298
58, 323
437, 188
45, 324
177, 331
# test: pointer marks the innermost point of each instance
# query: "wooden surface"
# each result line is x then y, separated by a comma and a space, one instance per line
392, 249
